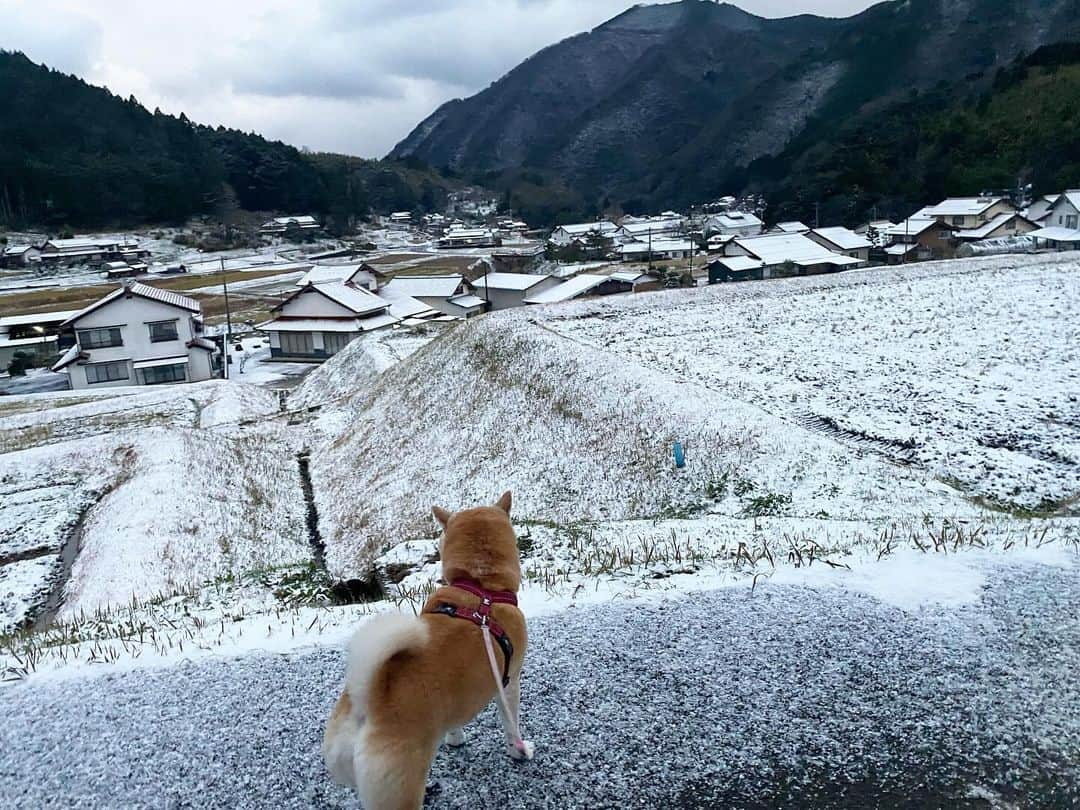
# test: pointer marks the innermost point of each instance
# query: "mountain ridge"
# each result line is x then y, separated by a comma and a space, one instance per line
680, 100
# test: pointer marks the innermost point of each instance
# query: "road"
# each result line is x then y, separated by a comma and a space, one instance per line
784, 697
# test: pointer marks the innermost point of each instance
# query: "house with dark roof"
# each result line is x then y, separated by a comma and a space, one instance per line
138, 335
319, 320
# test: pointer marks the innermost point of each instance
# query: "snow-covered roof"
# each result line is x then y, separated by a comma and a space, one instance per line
740, 264
302, 221
843, 238
988, 228
791, 247
357, 299
792, 227
422, 286
900, 249
38, 318
572, 288
469, 233
467, 301
632, 276
82, 243
18, 250
647, 226
734, 219
1056, 234
509, 281
69, 357
657, 246
141, 291
913, 226
329, 273
579, 229
962, 206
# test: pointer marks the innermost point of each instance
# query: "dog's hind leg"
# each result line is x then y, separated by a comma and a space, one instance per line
394, 777
455, 738
339, 743
515, 747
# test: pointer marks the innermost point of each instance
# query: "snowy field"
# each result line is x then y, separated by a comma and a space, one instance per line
969, 370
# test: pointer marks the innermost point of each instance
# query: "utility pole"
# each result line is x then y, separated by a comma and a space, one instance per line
228, 319
817, 215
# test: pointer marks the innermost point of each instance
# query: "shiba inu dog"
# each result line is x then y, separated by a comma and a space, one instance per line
414, 681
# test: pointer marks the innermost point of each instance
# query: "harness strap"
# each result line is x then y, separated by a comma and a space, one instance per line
487, 597
483, 619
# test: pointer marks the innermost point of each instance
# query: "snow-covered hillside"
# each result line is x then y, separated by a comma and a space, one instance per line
138, 493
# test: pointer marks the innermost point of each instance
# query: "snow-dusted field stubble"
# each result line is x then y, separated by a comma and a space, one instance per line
161, 490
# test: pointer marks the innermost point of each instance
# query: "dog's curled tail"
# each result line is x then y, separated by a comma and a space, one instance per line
373, 644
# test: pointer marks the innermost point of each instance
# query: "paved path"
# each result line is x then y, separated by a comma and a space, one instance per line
784, 698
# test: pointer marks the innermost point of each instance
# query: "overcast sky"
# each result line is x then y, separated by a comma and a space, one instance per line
349, 76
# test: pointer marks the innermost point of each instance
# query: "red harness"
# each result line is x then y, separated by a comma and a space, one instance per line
481, 616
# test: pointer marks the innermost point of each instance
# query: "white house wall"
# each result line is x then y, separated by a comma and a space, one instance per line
132, 316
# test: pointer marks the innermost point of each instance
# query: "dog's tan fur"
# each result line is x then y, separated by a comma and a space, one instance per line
437, 676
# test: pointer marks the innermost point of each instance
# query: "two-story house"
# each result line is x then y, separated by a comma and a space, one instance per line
1065, 212
137, 335
961, 213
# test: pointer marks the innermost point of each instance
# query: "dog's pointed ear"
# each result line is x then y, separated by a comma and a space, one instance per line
441, 515
504, 502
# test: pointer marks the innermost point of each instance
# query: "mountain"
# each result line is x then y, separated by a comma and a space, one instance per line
671, 104
76, 155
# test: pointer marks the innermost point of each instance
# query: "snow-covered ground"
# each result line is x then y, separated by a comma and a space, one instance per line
808, 694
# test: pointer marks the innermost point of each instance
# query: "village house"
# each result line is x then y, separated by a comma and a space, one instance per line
1055, 238
509, 290
638, 281
1006, 224
37, 335
1065, 212
581, 286
790, 227
137, 335
20, 256
920, 239
467, 238
659, 249
319, 320
634, 229
1039, 209
522, 259
776, 254
279, 225
90, 250
449, 295
401, 218
962, 213
563, 235
359, 275
842, 241
734, 223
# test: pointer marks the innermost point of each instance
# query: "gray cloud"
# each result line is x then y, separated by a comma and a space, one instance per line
336, 75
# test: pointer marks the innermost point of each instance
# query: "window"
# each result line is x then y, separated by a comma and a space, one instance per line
957, 220
296, 343
107, 372
334, 342
163, 331
100, 338
165, 374
1071, 221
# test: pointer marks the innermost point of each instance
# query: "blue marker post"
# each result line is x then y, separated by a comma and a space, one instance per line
680, 457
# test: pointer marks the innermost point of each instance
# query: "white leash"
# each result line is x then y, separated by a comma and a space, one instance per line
512, 718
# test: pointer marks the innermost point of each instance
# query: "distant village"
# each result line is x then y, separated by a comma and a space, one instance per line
140, 333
